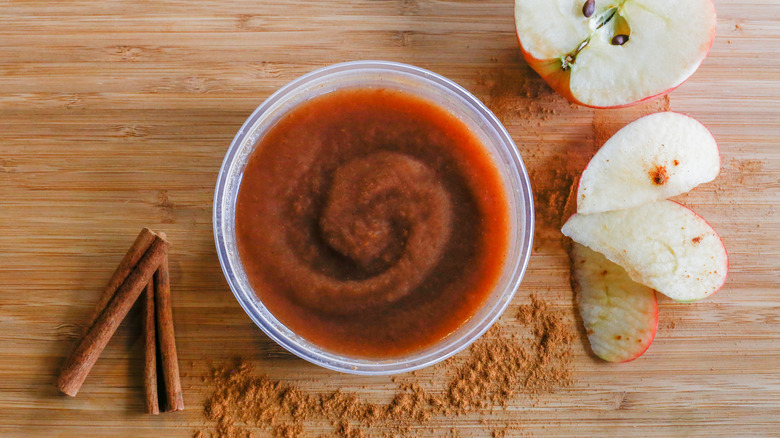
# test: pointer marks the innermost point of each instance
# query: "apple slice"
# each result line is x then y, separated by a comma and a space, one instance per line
650, 159
614, 53
662, 245
620, 315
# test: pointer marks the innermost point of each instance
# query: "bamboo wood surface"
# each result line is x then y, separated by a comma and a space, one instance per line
115, 115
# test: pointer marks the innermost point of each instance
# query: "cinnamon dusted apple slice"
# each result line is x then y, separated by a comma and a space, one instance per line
662, 245
620, 315
650, 159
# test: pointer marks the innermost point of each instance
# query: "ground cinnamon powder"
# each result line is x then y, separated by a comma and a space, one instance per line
516, 96
533, 113
494, 370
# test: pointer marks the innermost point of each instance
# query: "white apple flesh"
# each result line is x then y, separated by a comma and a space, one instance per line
619, 314
653, 158
625, 52
662, 245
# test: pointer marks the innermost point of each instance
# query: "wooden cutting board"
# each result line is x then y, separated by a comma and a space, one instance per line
116, 115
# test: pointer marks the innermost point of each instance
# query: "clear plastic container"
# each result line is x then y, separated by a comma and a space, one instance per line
423, 83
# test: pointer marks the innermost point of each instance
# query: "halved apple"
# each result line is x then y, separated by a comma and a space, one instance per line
619, 314
653, 158
662, 245
609, 53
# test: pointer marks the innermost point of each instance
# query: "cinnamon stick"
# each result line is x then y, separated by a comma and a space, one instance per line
150, 352
83, 358
165, 336
136, 251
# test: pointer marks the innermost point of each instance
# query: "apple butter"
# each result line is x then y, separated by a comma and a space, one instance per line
372, 222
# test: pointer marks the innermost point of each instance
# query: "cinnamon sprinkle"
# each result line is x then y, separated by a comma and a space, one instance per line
494, 370
531, 110
659, 175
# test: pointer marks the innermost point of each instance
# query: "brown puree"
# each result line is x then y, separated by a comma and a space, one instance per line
372, 222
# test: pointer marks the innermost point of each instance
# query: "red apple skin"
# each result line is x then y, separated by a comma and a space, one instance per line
551, 72
558, 79
655, 320
655, 329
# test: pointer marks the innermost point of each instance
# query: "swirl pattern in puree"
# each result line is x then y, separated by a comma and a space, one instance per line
372, 222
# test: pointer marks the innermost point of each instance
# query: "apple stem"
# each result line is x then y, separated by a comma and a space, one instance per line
568, 60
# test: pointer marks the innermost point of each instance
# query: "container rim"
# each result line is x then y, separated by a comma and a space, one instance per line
263, 318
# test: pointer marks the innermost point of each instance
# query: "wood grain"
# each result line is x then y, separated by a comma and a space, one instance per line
115, 115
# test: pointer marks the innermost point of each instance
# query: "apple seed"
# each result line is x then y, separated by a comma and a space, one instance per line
619, 40
589, 8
